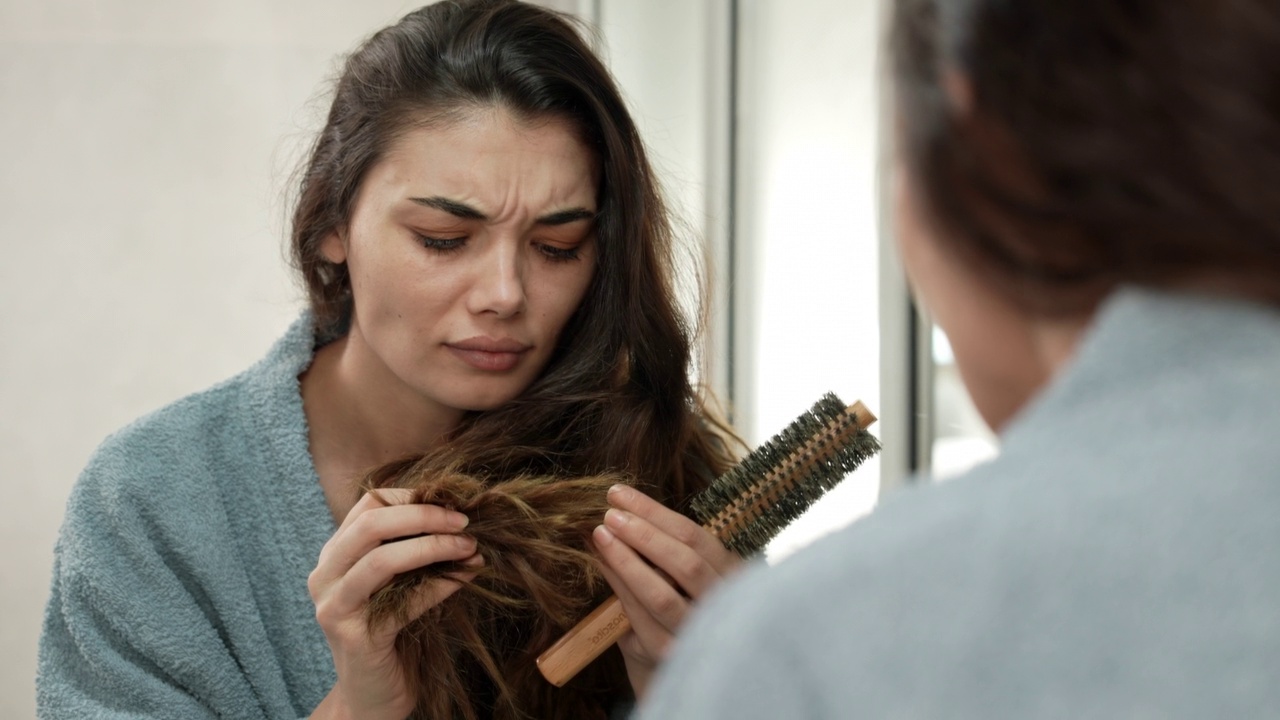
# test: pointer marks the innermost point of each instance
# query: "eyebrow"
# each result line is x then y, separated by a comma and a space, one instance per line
466, 212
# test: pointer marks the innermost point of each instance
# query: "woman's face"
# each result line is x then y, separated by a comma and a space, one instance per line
470, 245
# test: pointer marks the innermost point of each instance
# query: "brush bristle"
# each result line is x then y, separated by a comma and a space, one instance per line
781, 505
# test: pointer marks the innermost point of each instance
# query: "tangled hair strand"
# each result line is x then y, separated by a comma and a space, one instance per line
476, 650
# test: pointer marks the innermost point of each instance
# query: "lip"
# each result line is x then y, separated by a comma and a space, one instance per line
490, 345
489, 354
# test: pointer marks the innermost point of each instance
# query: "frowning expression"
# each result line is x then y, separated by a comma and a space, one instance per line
470, 245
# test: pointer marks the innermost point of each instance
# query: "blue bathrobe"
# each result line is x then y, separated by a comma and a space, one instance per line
1120, 559
180, 576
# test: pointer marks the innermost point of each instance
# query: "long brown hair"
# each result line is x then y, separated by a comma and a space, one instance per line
616, 396
476, 651
1065, 148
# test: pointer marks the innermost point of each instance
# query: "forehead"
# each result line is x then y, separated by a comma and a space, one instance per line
495, 159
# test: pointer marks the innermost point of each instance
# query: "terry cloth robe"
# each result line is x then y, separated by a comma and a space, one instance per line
1119, 559
180, 574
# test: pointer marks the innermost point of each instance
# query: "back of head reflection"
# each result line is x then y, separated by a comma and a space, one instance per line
1084, 200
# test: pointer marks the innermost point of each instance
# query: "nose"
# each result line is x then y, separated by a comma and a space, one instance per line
498, 286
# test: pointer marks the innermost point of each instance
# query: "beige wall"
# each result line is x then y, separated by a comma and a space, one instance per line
145, 148
145, 153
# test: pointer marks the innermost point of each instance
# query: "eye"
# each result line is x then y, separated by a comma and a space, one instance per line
558, 254
442, 245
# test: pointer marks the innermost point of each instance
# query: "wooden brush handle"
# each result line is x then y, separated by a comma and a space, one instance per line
607, 624
596, 633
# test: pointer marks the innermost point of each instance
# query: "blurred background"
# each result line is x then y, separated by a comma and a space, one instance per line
146, 149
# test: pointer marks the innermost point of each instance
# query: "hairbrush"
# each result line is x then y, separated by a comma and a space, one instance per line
744, 508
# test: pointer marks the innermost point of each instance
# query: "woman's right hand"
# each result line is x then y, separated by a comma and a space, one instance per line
376, 542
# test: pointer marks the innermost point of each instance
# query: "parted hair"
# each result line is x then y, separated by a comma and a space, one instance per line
1066, 148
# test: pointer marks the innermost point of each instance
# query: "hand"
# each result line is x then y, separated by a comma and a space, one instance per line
376, 542
684, 561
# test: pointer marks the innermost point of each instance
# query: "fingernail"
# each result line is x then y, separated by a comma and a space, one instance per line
464, 541
618, 491
476, 560
616, 518
602, 535
458, 520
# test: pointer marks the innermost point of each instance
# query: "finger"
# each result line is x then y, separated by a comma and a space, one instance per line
694, 573
646, 631
376, 499
380, 565
434, 592
646, 587
683, 529
378, 525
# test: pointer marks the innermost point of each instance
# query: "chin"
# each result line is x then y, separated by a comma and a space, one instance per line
482, 399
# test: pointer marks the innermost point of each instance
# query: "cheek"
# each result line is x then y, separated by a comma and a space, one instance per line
391, 274
373, 281
564, 292
993, 347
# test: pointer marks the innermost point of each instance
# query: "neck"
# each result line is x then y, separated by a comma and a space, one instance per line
1055, 341
360, 416
1035, 349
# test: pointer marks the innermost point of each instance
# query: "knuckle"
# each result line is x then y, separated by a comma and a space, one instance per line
689, 534
325, 615
378, 563
645, 534
455, 544
426, 550
691, 568
434, 548
326, 553
364, 525
434, 516
665, 603
728, 562
651, 646
368, 501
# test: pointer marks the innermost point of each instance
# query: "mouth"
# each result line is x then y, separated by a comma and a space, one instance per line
489, 354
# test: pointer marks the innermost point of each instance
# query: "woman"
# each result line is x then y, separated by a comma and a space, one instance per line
489, 269
1086, 203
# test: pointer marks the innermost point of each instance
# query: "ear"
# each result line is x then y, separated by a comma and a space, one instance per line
334, 247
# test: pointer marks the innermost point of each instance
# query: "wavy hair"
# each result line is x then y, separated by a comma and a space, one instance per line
616, 396
476, 650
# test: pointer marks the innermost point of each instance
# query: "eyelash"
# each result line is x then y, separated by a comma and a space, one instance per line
447, 245
558, 254
442, 245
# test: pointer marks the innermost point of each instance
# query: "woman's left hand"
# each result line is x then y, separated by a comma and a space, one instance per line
659, 564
